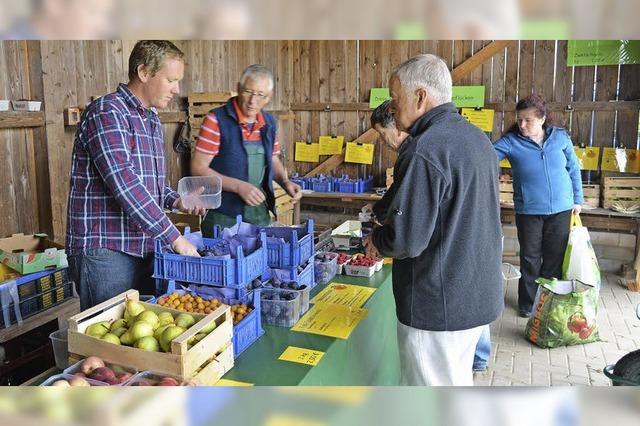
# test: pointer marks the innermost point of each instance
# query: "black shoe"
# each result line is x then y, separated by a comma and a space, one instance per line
523, 313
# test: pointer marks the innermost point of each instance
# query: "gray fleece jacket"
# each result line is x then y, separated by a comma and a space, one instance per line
443, 226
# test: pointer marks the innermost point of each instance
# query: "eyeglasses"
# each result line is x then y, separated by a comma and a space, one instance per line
249, 93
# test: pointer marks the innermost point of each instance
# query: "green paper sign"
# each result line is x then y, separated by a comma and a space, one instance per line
378, 95
468, 96
603, 52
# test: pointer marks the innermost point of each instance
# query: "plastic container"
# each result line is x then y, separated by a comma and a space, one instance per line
283, 313
303, 291
356, 186
298, 245
59, 342
321, 183
325, 270
303, 274
348, 235
51, 380
117, 369
151, 378
200, 191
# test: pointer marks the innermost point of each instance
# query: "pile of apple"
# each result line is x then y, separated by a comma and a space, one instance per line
146, 330
94, 368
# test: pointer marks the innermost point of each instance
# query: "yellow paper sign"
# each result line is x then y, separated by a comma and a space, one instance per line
227, 382
330, 320
388, 261
330, 146
289, 420
482, 118
620, 160
588, 157
359, 153
505, 163
344, 294
301, 355
307, 152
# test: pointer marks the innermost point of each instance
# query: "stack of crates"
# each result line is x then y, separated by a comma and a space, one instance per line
238, 277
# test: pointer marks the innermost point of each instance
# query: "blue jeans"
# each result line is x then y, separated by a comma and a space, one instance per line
101, 274
483, 350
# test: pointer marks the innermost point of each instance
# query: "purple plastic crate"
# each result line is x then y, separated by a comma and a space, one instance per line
298, 245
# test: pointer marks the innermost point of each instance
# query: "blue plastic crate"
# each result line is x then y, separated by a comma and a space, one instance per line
34, 304
297, 248
301, 181
321, 183
236, 273
306, 277
355, 186
247, 331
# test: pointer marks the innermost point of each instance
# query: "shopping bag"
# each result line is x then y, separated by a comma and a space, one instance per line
564, 314
580, 261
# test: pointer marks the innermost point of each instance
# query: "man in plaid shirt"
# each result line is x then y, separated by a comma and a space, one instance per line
118, 189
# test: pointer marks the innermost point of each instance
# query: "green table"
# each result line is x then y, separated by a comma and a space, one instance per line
368, 357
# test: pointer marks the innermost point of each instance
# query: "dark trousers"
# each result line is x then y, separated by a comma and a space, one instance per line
543, 241
101, 274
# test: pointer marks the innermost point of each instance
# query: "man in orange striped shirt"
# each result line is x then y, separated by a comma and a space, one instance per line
238, 142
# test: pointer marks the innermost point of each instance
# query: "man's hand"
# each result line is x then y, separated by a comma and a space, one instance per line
370, 249
250, 194
182, 246
194, 210
577, 208
293, 189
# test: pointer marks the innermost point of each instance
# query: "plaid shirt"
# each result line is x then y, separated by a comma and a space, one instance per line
118, 179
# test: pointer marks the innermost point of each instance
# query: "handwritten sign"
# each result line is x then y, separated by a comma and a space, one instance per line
620, 160
482, 118
330, 146
588, 157
307, 152
359, 153
377, 96
468, 96
330, 320
344, 294
301, 355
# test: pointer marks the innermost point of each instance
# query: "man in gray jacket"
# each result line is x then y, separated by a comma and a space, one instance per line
442, 229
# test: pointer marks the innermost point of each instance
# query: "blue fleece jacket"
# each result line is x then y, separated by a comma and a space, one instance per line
546, 180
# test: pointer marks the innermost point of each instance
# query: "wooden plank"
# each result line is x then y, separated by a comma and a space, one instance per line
627, 132
604, 122
330, 106
583, 91
461, 53
543, 69
584, 106
21, 119
478, 59
562, 90
511, 83
525, 84
496, 75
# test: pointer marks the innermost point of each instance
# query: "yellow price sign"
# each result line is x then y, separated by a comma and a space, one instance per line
620, 160
301, 355
331, 145
359, 153
588, 157
482, 118
307, 152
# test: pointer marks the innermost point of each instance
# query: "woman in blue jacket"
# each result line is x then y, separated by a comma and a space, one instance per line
547, 189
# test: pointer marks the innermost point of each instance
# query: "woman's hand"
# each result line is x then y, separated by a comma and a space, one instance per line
577, 208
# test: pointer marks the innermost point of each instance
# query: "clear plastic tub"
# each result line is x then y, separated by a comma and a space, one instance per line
152, 378
200, 191
51, 380
60, 348
280, 307
325, 266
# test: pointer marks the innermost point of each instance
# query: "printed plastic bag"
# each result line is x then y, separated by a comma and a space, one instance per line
564, 314
580, 261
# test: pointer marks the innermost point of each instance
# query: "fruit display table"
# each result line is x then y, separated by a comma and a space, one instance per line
368, 357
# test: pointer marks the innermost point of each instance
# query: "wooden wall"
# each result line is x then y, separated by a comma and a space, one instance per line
35, 162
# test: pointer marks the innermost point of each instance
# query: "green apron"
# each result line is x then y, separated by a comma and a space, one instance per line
258, 215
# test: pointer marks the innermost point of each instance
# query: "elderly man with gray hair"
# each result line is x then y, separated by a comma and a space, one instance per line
238, 142
442, 230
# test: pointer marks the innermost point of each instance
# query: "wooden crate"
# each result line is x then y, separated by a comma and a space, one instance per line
183, 220
506, 192
621, 191
389, 176
200, 103
284, 205
591, 195
180, 361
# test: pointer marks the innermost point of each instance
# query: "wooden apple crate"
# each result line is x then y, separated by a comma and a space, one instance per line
284, 205
200, 103
591, 194
389, 177
506, 192
622, 191
180, 361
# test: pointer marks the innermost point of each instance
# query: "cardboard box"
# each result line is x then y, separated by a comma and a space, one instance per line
31, 253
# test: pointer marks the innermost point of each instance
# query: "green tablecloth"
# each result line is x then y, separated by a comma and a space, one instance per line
368, 357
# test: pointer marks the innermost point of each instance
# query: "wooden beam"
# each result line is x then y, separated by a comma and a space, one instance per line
335, 160
479, 58
330, 106
19, 119
172, 116
574, 106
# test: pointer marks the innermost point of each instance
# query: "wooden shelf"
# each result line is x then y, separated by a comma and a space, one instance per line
21, 119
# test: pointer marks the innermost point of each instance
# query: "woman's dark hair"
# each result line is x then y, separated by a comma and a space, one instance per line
382, 115
538, 103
